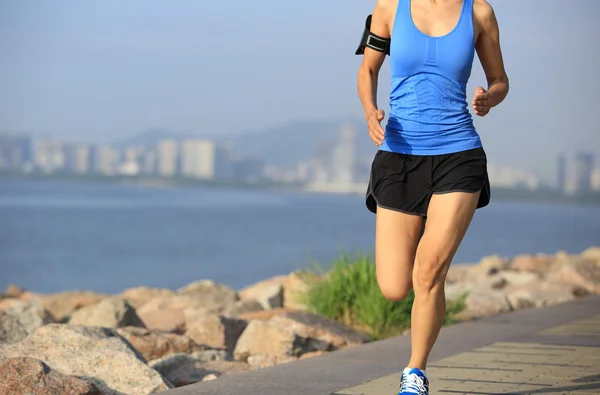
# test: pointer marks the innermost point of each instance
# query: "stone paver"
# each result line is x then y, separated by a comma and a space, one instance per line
518, 368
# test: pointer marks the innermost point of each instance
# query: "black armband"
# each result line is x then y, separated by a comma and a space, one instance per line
373, 41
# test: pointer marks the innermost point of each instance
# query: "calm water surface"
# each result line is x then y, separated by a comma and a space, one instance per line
61, 235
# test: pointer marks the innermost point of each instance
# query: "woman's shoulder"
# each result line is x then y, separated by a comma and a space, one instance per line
482, 10
483, 15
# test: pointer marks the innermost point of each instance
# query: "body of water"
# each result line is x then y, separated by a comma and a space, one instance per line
56, 236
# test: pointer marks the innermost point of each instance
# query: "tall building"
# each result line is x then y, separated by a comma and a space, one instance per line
561, 174
584, 165
104, 160
77, 158
324, 160
49, 155
596, 180
198, 159
148, 162
344, 164
16, 152
168, 158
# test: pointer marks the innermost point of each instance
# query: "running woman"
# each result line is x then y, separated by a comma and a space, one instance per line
429, 174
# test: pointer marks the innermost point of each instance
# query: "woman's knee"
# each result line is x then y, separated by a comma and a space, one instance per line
395, 291
429, 274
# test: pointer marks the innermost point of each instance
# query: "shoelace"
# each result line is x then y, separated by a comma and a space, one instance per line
413, 383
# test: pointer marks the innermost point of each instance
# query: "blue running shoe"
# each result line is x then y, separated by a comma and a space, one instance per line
413, 382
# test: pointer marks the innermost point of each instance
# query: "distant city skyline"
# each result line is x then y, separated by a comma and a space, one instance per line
101, 73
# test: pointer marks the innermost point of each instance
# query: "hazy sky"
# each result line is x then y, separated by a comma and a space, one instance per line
98, 71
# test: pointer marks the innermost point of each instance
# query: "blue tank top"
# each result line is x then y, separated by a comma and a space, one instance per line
428, 107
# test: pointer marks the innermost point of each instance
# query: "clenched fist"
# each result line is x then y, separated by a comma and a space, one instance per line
480, 102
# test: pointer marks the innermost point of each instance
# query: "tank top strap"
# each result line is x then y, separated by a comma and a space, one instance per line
467, 12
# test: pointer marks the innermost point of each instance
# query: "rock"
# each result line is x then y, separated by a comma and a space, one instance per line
168, 320
30, 313
483, 303
180, 369
11, 330
31, 376
487, 266
261, 361
264, 315
454, 291
111, 313
61, 305
99, 354
518, 278
216, 331
183, 369
538, 294
194, 314
328, 333
577, 272
242, 307
139, 296
14, 291
268, 338
175, 302
154, 344
539, 264
593, 254
295, 287
268, 292
169, 312
457, 273
212, 355
214, 296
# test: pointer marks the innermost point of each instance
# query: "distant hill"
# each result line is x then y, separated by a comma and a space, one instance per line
290, 143
282, 145
151, 137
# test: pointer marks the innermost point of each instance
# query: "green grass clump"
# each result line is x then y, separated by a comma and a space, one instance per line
349, 293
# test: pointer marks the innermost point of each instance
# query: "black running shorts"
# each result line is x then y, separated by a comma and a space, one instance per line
406, 183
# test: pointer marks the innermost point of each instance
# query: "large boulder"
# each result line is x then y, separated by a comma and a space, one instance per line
111, 312
139, 296
153, 344
264, 337
214, 296
99, 354
168, 320
484, 302
11, 330
30, 313
216, 331
295, 287
31, 376
185, 369
487, 266
539, 264
242, 307
323, 332
268, 292
538, 294
577, 272
62, 304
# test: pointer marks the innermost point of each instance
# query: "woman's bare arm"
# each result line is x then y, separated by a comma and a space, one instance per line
490, 56
368, 72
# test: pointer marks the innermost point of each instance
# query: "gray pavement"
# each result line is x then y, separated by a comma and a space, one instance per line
552, 350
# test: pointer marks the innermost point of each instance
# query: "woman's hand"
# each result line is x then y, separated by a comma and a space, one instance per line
480, 102
374, 124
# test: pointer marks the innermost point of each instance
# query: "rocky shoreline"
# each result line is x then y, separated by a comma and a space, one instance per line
147, 340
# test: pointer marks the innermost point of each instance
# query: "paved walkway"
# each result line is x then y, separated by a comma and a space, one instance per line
553, 351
